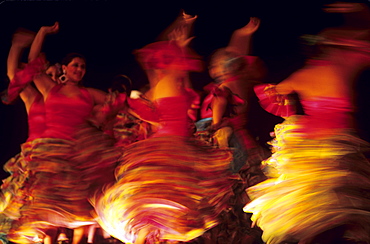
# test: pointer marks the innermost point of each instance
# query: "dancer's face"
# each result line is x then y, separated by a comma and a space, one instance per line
75, 70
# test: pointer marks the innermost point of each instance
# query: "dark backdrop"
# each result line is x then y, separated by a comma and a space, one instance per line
107, 32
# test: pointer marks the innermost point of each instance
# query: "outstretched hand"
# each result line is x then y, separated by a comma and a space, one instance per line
51, 29
251, 27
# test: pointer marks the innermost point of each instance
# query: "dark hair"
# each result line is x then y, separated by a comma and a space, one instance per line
251, 67
122, 84
233, 62
67, 59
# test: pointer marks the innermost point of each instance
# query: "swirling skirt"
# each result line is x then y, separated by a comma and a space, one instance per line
13, 193
96, 157
54, 193
12, 188
173, 186
316, 184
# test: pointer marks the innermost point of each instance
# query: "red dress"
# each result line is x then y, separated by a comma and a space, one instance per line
71, 162
233, 131
319, 178
15, 188
170, 182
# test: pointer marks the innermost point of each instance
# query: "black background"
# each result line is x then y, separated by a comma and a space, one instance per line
107, 32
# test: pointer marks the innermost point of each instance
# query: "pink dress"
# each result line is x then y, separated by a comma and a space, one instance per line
319, 178
15, 188
233, 130
170, 182
71, 162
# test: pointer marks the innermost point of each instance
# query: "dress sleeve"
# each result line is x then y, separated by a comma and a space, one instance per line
24, 77
273, 102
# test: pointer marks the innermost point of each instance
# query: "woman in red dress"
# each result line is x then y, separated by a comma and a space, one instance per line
319, 178
169, 186
15, 190
63, 169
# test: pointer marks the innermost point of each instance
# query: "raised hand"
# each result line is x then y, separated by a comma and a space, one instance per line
188, 19
250, 28
51, 29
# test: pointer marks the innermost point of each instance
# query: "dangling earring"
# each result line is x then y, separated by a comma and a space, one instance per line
63, 78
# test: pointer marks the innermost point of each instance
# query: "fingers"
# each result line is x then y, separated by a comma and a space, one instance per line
55, 27
188, 19
51, 29
254, 22
251, 27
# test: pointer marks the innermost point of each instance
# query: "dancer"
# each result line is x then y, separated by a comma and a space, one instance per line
15, 188
119, 117
230, 97
227, 110
319, 179
169, 186
131, 123
63, 174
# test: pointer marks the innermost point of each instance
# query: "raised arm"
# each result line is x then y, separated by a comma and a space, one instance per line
21, 40
182, 20
39, 40
181, 29
241, 39
180, 33
219, 104
43, 82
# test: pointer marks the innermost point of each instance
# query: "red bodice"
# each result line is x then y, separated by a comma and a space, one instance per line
36, 118
173, 116
65, 115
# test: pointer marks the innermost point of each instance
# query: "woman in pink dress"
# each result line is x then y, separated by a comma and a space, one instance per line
169, 186
319, 178
63, 169
230, 101
15, 188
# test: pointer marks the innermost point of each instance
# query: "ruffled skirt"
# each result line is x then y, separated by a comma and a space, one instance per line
55, 194
13, 192
173, 186
97, 158
314, 185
